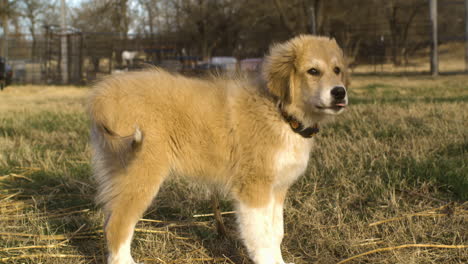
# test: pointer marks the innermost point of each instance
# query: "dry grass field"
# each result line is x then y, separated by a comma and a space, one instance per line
387, 183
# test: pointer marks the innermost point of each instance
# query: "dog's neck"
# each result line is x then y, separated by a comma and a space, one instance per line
296, 125
299, 124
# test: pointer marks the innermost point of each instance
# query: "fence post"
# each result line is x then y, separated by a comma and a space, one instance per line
466, 36
5, 30
434, 53
64, 48
313, 26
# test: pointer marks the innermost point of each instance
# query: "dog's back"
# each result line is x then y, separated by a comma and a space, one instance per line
121, 101
136, 115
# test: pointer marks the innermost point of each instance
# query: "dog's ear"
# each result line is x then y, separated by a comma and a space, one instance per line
278, 68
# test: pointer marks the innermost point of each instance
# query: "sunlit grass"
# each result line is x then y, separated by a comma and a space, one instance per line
401, 148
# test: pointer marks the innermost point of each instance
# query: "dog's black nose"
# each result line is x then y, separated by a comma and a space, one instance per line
338, 92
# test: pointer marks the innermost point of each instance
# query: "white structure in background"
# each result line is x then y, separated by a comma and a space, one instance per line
227, 64
128, 57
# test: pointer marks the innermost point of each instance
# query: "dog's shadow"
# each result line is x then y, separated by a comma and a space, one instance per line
61, 211
53, 212
192, 233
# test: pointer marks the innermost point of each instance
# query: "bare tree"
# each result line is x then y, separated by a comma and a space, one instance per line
152, 8
119, 16
93, 16
300, 16
112, 16
33, 11
367, 29
210, 24
8, 7
7, 10
401, 15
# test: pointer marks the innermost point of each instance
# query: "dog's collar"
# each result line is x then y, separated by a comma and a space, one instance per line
296, 125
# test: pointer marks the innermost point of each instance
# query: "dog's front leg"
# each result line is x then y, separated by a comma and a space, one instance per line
261, 229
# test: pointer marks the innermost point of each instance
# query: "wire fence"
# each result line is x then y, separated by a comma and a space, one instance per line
92, 55
88, 56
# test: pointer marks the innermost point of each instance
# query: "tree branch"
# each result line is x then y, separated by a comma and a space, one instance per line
283, 17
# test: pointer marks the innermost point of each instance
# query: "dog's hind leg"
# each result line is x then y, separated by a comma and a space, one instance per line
131, 192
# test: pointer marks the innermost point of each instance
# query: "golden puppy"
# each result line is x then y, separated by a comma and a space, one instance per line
252, 139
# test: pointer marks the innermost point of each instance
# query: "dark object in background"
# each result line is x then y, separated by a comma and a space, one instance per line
6, 74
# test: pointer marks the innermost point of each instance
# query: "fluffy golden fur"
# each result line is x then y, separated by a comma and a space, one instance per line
149, 125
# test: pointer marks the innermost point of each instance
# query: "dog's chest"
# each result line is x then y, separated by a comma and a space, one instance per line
291, 159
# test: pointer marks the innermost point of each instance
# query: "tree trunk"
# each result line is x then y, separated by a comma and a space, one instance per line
5, 29
150, 19
284, 19
319, 16
394, 35
33, 36
312, 19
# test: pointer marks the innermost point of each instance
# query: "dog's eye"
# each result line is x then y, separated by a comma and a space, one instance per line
337, 70
314, 72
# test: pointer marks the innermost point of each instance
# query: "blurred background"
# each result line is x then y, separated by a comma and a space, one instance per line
77, 41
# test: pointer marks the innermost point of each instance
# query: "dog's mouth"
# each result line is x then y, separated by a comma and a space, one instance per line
335, 106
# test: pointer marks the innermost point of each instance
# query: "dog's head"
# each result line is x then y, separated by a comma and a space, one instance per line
309, 75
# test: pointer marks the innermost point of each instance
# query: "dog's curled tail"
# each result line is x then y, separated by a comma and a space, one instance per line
117, 144
106, 133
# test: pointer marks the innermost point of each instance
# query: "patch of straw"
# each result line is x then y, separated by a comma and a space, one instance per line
31, 247
32, 256
14, 175
174, 223
44, 215
206, 215
185, 260
430, 213
403, 246
82, 235
8, 197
